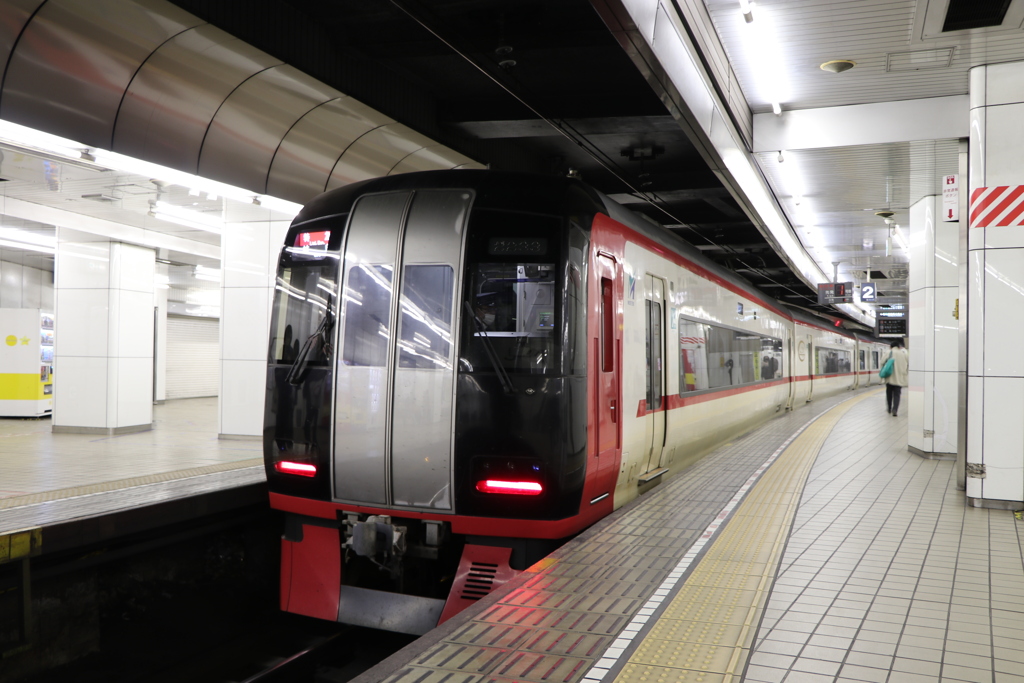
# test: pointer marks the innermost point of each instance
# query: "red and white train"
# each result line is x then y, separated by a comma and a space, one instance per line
469, 367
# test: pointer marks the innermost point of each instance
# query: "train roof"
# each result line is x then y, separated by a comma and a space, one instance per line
509, 190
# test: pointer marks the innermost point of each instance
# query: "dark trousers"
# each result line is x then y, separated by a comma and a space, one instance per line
892, 397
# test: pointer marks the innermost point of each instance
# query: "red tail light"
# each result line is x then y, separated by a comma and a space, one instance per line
518, 488
303, 469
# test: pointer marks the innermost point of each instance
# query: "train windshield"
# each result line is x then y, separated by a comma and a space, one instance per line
513, 313
305, 297
512, 309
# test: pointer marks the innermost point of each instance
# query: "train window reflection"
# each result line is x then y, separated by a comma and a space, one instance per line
831, 361
513, 307
367, 315
711, 357
425, 331
303, 295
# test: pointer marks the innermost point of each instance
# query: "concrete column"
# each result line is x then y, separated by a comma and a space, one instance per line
103, 341
933, 338
995, 324
249, 253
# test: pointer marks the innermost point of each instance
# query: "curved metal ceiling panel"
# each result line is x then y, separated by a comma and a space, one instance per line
433, 158
68, 71
13, 18
376, 153
176, 93
311, 149
246, 132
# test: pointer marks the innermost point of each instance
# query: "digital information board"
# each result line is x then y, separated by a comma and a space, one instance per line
891, 327
835, 293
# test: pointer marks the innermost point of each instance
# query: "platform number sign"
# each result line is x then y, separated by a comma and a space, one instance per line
867, 291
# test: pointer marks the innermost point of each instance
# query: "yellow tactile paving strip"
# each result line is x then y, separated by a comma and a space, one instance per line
705, 633
103, 487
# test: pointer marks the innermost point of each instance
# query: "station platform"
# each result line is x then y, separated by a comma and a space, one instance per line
815, 548
78, 488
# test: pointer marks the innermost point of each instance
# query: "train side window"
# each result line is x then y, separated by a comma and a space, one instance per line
654, 358
831, 361
863, 360
425, 330
607, 326
693, 361
367, 315
874, 360
770, 358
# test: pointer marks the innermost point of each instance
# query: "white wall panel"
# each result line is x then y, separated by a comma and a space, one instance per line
1004, 301
193, 357
31, 288
1004, 421
946, 329
79, 391
244, 393
912, 404
944, 412
133, 335
245, 262
977, 145
246, 318
1003, 84
83, 314
134, 390
11, 279
919, 317
947, 253
1005, 140
997, 237
976, 313
82, 265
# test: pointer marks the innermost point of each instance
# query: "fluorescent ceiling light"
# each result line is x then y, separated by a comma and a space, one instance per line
187, 218
748, 15
23, 236
899, 238
26, 246
776, 108
101, 159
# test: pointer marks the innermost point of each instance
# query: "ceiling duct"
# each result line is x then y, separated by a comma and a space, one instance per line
966, 14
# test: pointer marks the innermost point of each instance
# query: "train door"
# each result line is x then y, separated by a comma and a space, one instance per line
396, 366
791, 369
810, 368
654, 413
609, 421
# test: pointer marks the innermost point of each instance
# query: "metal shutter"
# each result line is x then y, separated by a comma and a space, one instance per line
193, 356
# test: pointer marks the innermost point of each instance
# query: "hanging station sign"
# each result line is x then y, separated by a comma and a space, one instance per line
830, 293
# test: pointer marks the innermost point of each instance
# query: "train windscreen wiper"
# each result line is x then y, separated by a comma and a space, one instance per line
499, 370
319, 341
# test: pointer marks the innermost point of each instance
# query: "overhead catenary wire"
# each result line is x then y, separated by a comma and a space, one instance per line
566, 130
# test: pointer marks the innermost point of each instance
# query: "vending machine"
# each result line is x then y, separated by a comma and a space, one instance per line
26, 362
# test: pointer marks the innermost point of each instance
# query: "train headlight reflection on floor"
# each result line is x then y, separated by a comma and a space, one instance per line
300, 468
520, 488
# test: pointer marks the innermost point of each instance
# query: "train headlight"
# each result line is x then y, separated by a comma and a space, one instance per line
517, 488
303, 469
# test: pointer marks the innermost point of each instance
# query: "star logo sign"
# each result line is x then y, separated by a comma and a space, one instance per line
25, 341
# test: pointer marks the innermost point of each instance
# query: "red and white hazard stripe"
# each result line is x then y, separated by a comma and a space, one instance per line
997, 206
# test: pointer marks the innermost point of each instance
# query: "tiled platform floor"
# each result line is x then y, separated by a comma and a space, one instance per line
46, 477
887, 577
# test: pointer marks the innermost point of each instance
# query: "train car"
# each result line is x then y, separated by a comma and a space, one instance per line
468, 367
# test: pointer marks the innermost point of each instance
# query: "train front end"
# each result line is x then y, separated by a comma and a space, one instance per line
426, 407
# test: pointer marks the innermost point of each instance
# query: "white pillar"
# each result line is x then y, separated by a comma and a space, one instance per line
933, 338
103, 340
249, 253
995, 325
160, 330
